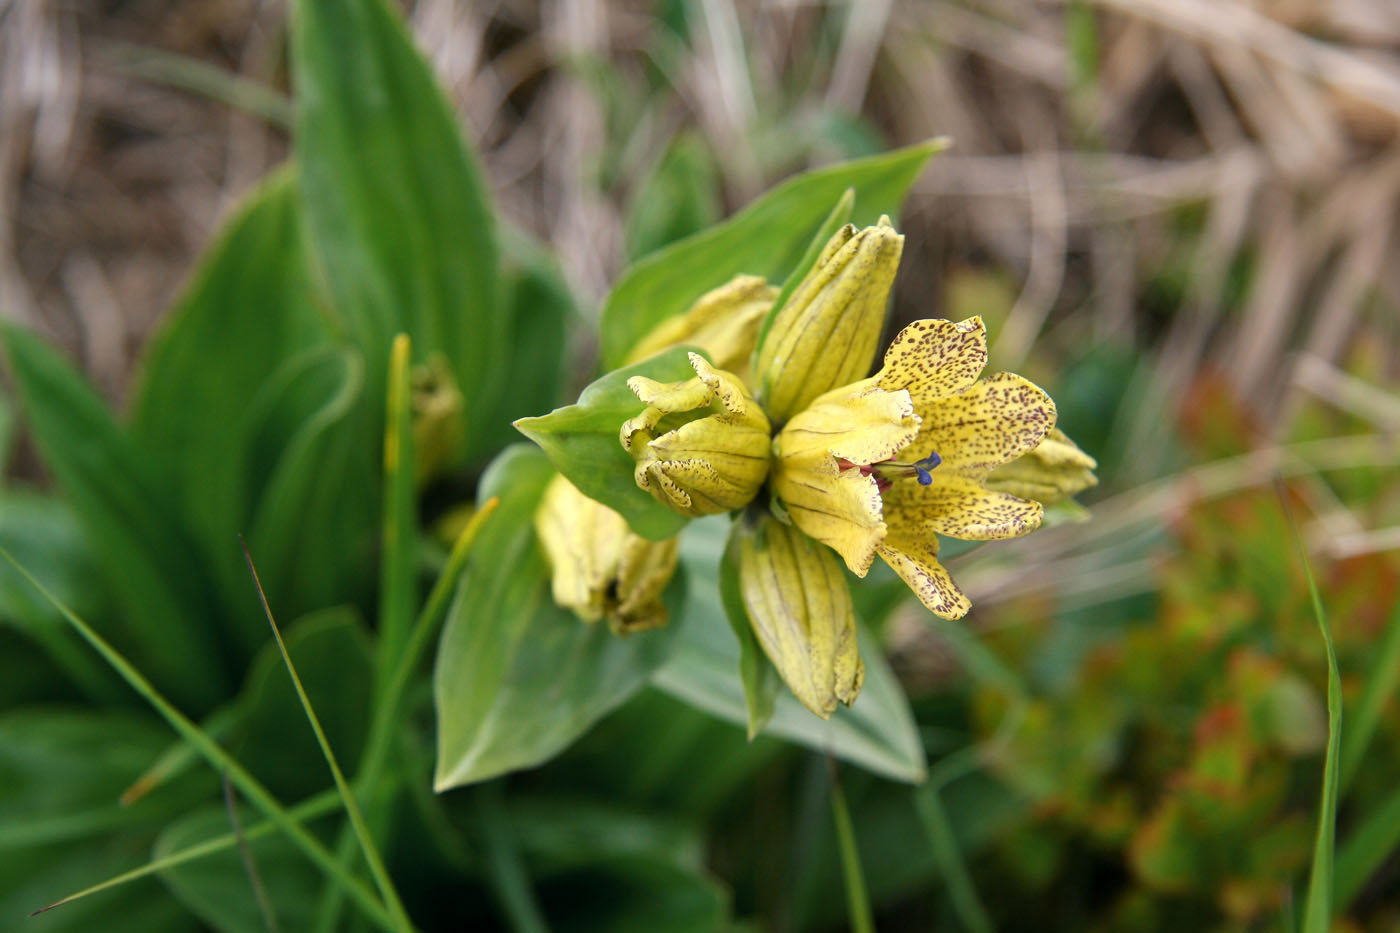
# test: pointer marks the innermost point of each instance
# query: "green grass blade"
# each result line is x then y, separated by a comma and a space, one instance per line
198, 77
950, 861
1317, 915
857, 899
318, 806
352, 809
248, 785
396, 570
1380, 686
180, 756
389, 701
504, 867
1367, 849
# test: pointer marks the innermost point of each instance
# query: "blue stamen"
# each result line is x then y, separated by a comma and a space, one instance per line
922, 467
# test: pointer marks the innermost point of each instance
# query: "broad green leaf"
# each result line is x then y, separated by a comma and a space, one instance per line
398, 211
131, 522
766, 238
650, 871
7, 434
679, 197
840, 215
217, 887
877, 732
582, 440
539, 311
756, 673
517, 678
43, 534
63, 770
332, 653
250, 306
312, 477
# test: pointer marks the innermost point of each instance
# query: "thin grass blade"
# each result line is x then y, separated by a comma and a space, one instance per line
220, 759
1317, 915
857, 898
352, 809
1381, 681
318, 806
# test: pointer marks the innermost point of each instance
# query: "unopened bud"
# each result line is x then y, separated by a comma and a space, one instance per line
800, 607
723, 322
701, 446
827, 333
1053, 471
601, 570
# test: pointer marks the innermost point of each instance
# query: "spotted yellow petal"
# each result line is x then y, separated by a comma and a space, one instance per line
958, 507
861, 423
1054, 471
934, 359
994, 421
800, 608
841, 509
916, 561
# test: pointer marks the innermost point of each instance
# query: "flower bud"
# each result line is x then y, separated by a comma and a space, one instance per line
601, 570
1054, 470
701, 446
800, 608
724, 322
437, 416
827, 333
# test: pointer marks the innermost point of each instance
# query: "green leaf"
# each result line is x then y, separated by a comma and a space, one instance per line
539, 311
646, 872
757, 674
518, 678
332, 653
399, 215
582, 441
312, 474
679, 197
63, 770
838, 218
250, 306
130, 520
877, 732
217, 887
44, 535
766, 238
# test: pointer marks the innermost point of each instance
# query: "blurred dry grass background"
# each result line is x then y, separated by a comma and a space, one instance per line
1205, 186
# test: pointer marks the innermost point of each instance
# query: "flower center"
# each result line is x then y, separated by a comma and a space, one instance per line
887, 471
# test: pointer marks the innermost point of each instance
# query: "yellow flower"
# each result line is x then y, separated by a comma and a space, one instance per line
827, 333
724, 322
701, 446
800, 609
1056, 470
601, 570
837, 476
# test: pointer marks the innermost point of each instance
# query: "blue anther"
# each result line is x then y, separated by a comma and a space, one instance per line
922, 467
